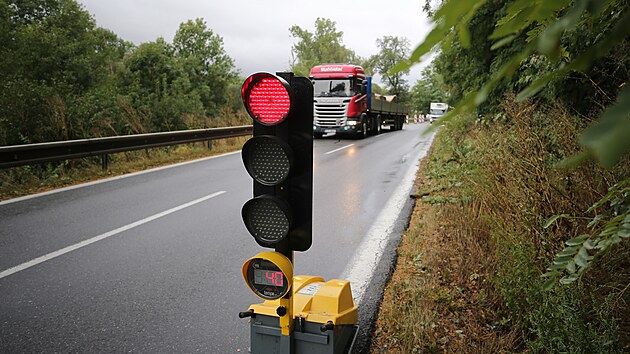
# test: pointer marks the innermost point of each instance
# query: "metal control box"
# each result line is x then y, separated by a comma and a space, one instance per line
324, 320
307, 337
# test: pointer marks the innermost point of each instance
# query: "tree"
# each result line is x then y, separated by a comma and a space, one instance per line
52, 55
429, 88
323, 46
210, 69
393, 50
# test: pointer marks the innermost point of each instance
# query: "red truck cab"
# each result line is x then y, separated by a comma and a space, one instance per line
340, 99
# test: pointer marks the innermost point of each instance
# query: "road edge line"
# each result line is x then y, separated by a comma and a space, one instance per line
360, 269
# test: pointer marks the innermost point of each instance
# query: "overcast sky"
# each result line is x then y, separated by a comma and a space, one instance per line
256, 33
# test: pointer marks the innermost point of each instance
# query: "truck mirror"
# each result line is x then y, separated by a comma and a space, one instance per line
364, 87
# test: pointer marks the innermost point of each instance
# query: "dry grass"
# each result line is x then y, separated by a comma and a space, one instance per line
440, 297
20, 181
467, 278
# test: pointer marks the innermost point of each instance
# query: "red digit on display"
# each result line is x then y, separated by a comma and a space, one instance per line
279, 279
270, 277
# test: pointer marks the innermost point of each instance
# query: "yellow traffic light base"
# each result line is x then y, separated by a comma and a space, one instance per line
317, 301
320, 317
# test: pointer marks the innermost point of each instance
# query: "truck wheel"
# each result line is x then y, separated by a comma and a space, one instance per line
379, 123
363, 133
317, 135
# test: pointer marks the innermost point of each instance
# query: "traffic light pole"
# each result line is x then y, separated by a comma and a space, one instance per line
286, 317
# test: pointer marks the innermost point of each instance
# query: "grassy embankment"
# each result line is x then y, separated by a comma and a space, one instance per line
19, 181
468, 274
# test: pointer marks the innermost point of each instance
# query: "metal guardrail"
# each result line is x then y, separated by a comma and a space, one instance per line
20, 155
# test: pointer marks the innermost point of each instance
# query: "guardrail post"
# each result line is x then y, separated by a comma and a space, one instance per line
210, 144
104, 161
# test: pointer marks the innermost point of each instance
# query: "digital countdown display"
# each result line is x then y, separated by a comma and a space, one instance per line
266, 279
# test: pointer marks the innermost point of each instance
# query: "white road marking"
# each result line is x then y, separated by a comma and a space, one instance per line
94, 239
76, 186
361, 267
341, 148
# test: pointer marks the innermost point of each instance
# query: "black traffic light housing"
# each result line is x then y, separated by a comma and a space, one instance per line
279, 157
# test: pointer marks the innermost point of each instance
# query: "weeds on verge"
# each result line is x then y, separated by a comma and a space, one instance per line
468, 274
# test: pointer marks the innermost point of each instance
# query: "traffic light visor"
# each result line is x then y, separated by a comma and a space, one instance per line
267, 159
267, 98
267, 218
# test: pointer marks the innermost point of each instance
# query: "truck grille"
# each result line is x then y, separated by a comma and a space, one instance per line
331, 114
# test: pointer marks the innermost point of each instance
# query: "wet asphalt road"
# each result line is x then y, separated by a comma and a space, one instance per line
165, 277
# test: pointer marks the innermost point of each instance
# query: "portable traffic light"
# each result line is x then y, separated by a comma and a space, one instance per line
279, 158
301, 314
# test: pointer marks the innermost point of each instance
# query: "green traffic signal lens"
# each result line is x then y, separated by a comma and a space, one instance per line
267, 159
267, 218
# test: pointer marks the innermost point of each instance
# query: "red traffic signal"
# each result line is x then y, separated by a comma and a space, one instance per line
267, 98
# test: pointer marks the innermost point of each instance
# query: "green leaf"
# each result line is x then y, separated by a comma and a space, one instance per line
589, 244
608, 138
452, 11
568, 279
550, 274
554, 218
548, 285
582, 258
464, 35
563, 259
571, 267
446, 17
578, 241
584, 254
502, 42
515, 20
554, 267
540, 83
595, 221
572, 162
569, 251
426, 46
581, 262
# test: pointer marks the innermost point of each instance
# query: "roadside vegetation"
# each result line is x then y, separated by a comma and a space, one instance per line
468, 274
519, 238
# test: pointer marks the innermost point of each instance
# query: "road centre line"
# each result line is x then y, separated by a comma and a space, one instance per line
341, 148
100, 237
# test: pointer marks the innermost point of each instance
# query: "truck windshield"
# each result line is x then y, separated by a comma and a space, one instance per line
333, 87
437, 112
